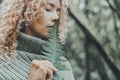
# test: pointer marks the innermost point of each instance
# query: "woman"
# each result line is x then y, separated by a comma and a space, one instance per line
24, 28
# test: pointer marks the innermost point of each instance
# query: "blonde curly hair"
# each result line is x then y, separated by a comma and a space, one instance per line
16, 12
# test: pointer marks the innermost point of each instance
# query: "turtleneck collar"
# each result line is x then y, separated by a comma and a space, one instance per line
29, 44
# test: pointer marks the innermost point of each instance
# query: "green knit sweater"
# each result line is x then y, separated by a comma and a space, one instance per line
29, 48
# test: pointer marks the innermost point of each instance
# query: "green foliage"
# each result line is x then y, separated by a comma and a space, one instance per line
53, 51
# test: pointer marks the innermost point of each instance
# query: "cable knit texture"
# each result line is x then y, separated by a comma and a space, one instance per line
29, 48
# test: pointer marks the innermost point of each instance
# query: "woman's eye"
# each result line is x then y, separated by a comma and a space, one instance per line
48, 9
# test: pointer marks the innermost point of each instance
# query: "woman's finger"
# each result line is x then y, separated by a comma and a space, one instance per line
49, 73
50, 65
44, 68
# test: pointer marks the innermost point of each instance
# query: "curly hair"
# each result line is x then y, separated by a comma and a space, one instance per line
16, 12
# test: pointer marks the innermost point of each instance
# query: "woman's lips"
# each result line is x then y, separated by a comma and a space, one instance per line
49, 27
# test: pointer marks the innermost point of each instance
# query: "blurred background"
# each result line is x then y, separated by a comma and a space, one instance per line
92, 44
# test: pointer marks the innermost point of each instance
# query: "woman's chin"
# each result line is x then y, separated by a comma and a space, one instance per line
45, 36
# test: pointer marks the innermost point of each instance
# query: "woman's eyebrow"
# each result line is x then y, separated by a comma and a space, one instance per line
53, 5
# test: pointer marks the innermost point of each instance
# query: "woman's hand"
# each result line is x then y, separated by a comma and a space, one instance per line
41, 70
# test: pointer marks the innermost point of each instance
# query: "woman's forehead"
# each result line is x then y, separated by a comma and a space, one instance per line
54, 3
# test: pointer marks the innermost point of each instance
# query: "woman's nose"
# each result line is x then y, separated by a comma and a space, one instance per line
55, 16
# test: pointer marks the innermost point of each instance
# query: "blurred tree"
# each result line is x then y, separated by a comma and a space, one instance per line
99, 40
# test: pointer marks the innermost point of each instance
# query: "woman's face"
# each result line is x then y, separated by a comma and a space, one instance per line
41, 26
